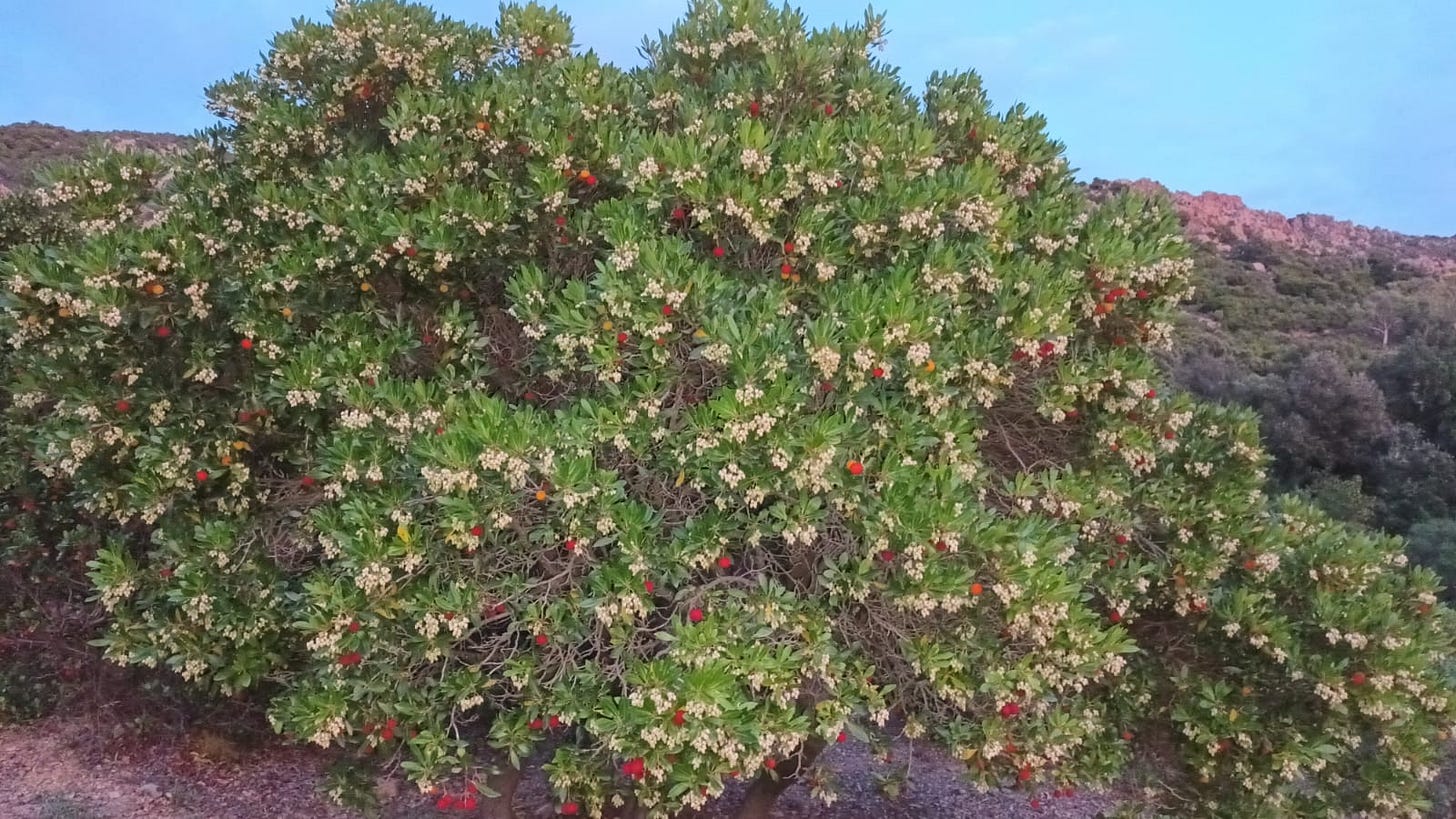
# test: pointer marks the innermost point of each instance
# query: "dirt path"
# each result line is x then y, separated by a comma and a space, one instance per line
57, 769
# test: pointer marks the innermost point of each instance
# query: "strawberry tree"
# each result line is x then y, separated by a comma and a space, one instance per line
472, 398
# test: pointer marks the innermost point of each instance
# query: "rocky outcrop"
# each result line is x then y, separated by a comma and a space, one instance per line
1223, 221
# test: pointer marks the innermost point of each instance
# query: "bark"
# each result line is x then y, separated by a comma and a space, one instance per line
765, 790
504, 783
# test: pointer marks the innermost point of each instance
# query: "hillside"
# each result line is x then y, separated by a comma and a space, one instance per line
1222, 222
26, 147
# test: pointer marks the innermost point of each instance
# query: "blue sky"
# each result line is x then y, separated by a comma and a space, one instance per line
1345, 107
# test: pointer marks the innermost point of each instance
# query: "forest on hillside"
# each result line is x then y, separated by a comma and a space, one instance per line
1350, 361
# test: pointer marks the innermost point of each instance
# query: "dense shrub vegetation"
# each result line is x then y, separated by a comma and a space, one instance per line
462, 395
1351, 363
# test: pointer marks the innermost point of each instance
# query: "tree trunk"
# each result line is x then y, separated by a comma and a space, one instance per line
765, 790
504, 783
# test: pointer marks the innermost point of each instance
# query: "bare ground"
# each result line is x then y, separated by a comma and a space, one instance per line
57, 768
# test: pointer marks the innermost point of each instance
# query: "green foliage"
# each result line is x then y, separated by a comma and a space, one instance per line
471, 396
1432, 543
1349, 361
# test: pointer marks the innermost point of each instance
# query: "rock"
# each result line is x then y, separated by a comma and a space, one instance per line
386, 788
1223, 221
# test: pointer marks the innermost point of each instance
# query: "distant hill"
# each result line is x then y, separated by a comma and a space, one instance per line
25, 147
1223, 222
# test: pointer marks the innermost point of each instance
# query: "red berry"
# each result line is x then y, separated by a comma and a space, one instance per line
788, 247
445, 802
678, 214
649, 586
678, 718
164, 331
1127, 736
352, 658
718, 252
306, 481
887, 555
123, 406
786, 268
1120, 540
477, 530
1036, 804
842, 737
770, 764
570, 545
165, 573
1024, 774
1142, 294
201, 475
410, 252
560, 221
535, 724
468, 803
878, 372
353, 626
695, 615
621, 338
591, 180
667, 309
855, 468
828, 109
1358, 678
542, 639
941, 546
1010, 710
724, 562
753, 108
554, 722
569, 809
247, 343
1151, 394
1169, 435
1114, 616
